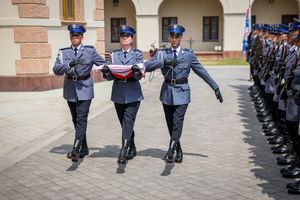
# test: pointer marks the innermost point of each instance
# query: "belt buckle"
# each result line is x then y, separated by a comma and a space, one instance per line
124, 80
74, 78
173, 81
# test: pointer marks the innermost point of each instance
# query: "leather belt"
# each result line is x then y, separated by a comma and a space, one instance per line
125, 79
78, 78
176, 81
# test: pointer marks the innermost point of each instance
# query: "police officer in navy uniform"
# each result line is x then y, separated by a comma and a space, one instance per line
126, 92
175, 64
75, 63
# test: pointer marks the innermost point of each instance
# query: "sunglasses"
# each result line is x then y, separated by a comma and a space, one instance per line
75, 34
125, 35
175, 35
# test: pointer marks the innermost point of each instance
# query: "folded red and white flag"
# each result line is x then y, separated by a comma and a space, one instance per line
123, 71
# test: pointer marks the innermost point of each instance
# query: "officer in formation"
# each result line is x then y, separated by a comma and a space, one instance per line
175, 64
273, 55
126, 92
75, 63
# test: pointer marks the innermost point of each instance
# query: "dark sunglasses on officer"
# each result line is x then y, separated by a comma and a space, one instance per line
125, 35
75, 34
176, 36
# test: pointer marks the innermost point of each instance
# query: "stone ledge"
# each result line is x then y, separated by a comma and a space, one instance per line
42, 2
36, 82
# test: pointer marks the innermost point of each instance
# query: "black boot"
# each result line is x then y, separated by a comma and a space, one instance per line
123, 153
132, 150
294, 188
179, 155
84, 151
74, 154
169, 157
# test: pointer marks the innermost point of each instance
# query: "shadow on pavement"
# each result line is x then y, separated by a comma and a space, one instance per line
74, 165
112, 151
265, 167
168, 169
121, 169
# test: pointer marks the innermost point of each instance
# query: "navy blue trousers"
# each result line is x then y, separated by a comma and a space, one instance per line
80, 112
174, 115
127, 114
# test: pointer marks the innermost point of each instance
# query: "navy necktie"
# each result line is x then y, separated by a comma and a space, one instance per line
125, 54
75, 50
175, 54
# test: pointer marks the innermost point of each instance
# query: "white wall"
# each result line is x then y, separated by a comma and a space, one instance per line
125, 9
9, 52
54, 9
7, 10
233, 32
270, 13
191, 17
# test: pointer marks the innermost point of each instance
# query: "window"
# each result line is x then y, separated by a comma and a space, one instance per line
166, 22
286, 19
115, 24
253, 19
69, 9
211, 29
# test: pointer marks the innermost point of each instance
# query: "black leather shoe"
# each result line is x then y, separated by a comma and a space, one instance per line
123, 156
294, 173
131, 153
276, 140
73, 155
290, 168
286, 160
281, 149
266, 119
272, 131
292, 185
263, 114
169, 157
178, 156
83, 152
294, 188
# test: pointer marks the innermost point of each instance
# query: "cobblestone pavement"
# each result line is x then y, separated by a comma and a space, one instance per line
226, 156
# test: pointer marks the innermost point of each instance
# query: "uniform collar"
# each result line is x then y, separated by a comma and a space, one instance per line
76, 47
127, 50
177, 50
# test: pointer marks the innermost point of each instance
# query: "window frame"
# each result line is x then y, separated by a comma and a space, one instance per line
210, 26
112, 28
164, 38
285, 17
66, 10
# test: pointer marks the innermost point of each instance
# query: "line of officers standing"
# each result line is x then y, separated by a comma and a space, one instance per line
273, 54
75, 64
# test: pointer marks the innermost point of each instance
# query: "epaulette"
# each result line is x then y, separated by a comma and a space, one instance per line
137, 50
164, 49
189, 50
65, 48
89, 46
116, 50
